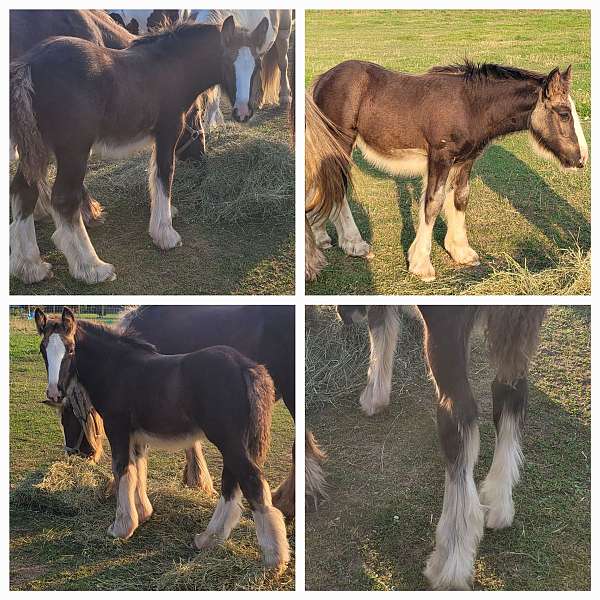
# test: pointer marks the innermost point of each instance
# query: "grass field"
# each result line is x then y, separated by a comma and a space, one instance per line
528, 220
236, 220
59, 512
386, 476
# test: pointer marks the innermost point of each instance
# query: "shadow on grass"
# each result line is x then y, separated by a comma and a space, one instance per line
358, 274
550, 213
379, 527
386, 477
503, 173
71, 550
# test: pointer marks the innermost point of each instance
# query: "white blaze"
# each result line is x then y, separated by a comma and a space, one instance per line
55, 352
244, 67
583, 147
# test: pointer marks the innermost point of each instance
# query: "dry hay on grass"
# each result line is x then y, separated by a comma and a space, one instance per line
244, 177
337, 357
74, 492
69, 487
571, 276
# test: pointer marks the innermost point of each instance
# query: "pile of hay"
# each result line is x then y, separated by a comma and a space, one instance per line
337, 357
68, 487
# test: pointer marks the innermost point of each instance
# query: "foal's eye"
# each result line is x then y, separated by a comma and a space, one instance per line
564, 115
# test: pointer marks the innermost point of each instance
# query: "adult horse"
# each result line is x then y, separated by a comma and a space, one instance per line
30, 27
263, 333
140, 21
512, 338
436, 125
146, 398
68, 96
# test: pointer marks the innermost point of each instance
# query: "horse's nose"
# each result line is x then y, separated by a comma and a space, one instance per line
242, 112
583, 160
53, 393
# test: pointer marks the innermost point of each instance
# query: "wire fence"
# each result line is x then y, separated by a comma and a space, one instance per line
103, 312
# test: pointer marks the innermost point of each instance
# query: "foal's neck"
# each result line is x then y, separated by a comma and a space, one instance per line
508, 105
197, 55
98, 362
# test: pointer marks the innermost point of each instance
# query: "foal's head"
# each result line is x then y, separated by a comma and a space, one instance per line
58, 349
554, 125
242, 60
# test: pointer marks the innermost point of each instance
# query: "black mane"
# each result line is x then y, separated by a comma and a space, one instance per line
169, 33
477, 72
131, 339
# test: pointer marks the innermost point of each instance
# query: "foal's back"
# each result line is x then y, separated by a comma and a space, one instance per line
383, 105
90, 90
172, 395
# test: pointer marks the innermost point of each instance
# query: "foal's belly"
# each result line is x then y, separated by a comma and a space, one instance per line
116, 149
405, 161
167, 442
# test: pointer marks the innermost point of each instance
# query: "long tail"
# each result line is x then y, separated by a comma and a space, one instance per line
269, 74
261, 399
315, 478
513, 337
327, 164
24, 131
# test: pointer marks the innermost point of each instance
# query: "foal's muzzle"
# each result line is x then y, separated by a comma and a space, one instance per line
242, 114
54, 394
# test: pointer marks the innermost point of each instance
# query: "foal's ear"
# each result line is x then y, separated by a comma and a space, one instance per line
554, 84
228, 30
259, 35
567, 77
68, 321
40, 320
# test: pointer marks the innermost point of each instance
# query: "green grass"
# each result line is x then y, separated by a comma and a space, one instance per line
236, 220
386, 476
526, 218
59, 512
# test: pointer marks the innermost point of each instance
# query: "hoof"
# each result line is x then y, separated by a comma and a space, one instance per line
205, 540
32, 271
166, 238
463, 254
372, 401
94, 273
442, 575
357, 247
322, 240
121, 531
424, 271
498, 515
145, 513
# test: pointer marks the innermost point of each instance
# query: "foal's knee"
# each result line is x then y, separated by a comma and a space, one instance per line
510, 400
66, 201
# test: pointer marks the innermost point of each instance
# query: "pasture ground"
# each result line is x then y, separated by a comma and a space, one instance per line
59, 512
236, 220
528, 220
386, 476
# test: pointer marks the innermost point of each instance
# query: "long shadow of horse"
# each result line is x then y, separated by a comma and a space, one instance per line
501, 171
391, 513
